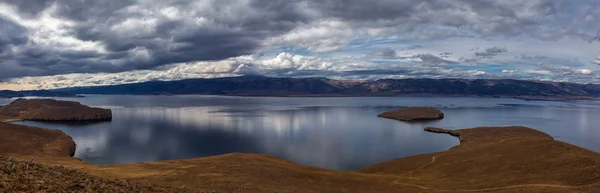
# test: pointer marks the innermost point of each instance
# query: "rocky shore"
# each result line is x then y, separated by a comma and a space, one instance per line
413, 114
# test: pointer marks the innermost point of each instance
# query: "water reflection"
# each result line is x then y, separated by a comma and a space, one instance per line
335, 133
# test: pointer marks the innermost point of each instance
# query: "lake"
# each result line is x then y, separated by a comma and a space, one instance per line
335, 133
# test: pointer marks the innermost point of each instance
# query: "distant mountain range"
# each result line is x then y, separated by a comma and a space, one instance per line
268, 86
36, 93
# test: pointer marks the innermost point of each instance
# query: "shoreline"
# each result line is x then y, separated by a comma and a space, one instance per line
526, 98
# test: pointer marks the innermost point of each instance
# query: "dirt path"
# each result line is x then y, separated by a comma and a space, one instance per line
10, 120
433, 159
492, 189
423, 166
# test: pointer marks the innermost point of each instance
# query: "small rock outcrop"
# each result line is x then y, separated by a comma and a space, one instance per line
53, 110
440, 130
413, 114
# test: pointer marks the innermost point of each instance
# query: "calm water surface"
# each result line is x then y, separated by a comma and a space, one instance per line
334, 133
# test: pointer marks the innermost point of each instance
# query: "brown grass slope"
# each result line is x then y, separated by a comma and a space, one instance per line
499, 159
52, 110
413, 114
28, 176
25, 141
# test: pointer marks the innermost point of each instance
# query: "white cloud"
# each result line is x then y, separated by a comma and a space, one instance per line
293, 65
542, 72
49, 31
323, 36
584, 71
283, 64
476, 72
509, 71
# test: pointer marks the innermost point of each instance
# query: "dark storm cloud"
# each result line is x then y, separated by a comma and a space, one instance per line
216, 32
445, 54
425, 59
490, 52
412, 47
125, 35
359, 10
385, 53
12, 35
30, 8
531, 57
431, 59
482, 16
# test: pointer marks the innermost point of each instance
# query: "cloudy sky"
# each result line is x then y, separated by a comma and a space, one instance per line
62, 43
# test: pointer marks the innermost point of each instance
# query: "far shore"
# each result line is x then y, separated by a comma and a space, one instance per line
526, 98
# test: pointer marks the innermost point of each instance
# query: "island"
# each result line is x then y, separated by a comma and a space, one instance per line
52, 110
488, 159
413, 114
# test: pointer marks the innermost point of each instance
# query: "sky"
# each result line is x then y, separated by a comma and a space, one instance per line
48, 44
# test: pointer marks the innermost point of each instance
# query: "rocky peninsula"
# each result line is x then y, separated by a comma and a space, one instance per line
440, 130
488, 159
52, 110
413, 114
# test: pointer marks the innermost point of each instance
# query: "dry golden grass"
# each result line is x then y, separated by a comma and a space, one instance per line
499, 159
24, 140
29, 176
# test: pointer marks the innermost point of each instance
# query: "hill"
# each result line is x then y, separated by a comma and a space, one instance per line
35, 93
267, 86
10, 94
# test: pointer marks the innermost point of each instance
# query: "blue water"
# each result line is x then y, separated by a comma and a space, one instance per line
334, 133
